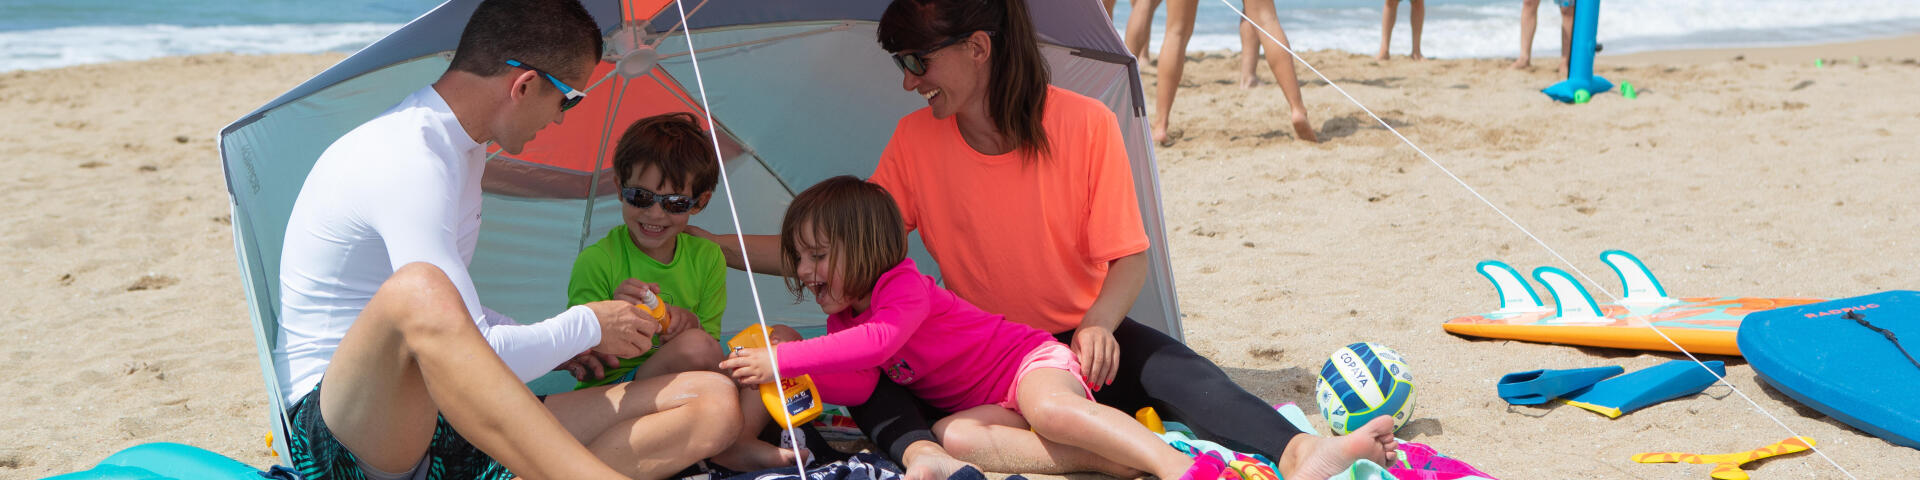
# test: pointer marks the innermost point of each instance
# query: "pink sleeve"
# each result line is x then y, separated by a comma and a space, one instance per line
899, 305
846, 388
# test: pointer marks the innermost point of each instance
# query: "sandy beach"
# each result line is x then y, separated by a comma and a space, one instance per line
1737, 172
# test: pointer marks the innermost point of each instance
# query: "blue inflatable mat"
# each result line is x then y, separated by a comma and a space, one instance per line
171, 461
1841, 357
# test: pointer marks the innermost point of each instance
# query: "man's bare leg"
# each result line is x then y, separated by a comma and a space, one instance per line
415, 352
652, 427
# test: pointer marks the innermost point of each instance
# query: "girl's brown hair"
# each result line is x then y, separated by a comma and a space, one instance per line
861, 225
1017, 77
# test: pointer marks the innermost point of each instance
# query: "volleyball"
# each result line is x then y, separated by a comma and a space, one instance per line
1362, 381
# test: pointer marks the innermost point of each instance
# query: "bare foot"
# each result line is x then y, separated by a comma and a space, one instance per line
935, 467
1418, 57
758, 455
1301, 128
1323, 457
1381, 56
1247, 82
1160, 136
1522, 64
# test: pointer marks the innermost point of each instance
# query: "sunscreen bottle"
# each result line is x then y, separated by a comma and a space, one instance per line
802, 399
651, 306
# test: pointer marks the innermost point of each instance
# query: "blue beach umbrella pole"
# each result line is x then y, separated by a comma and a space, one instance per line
1586, 23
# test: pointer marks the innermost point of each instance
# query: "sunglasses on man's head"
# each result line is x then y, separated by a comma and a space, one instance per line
915, 62
642, 198
573, 97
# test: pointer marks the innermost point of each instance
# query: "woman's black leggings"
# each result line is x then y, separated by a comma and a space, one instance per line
1155, 371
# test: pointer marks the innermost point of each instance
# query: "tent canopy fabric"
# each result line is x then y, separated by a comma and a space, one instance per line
798, 90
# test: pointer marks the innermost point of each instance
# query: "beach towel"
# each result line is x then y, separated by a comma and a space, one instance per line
861, 466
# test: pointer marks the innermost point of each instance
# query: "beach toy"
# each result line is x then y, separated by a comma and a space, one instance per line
1586, 21
793, 400
171, 461
1699, 324
1626, 90
1626, 393
1817, 63
1581, 96
1362, 381
1726, 466
1535, 387
1852, 359
1151, 419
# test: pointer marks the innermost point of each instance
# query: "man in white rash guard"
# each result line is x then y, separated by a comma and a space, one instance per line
420, 379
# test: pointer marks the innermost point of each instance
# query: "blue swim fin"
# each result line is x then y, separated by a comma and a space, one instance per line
1623, 394
1535, 387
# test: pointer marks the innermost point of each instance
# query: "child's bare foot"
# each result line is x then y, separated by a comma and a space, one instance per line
1323, 457
1301, 128
757, 455
1522, 64
934, 467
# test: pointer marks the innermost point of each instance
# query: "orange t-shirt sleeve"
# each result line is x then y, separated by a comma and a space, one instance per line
1113, 227
891, 174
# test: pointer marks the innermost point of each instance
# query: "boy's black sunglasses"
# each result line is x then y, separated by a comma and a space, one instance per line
915, 62
642, 198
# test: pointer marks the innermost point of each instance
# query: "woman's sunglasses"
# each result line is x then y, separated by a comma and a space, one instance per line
642, 198
915, 62
572, 97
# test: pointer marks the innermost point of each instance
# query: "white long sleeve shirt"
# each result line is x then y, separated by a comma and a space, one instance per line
401, 188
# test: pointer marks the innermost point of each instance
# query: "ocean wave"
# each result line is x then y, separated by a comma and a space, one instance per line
59, 47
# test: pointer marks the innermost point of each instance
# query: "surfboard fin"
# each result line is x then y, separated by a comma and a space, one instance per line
1621, 395
1515, 295
1572, 303
1641, 287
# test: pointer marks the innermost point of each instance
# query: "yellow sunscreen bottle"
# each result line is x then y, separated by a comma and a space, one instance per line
802, 399
652, 306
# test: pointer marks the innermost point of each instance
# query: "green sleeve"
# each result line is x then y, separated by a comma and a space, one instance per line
714, 303
594, 277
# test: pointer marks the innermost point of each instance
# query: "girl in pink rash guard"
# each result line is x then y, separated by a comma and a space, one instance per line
847, 245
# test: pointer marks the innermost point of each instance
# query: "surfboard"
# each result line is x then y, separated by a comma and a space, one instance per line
1833, 357
1698, 324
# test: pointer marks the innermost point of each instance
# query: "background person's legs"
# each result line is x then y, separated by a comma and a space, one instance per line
1388, 15
1280, 62
1140, 27
1419, 19
414, 352
1529, 15
1173, 61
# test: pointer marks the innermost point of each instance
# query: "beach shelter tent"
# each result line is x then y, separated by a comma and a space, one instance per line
799, 91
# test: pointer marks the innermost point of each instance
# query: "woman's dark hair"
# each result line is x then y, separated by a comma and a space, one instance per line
861, 225
1017, 78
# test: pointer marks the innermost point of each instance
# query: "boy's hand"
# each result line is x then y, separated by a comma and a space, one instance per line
623, 332
750, 366
589, 365
629, 290
679, 320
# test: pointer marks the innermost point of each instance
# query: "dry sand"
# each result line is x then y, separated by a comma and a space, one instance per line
124, 320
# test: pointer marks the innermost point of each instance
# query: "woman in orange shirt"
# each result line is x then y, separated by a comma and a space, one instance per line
1023, 194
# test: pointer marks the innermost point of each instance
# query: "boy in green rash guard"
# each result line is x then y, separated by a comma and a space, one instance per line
667, 173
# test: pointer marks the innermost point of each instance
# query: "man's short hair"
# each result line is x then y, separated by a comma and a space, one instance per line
553, 35
675, 145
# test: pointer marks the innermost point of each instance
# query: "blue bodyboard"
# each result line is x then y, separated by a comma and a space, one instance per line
1821, 355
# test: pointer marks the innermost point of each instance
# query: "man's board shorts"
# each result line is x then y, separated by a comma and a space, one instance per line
317, 454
